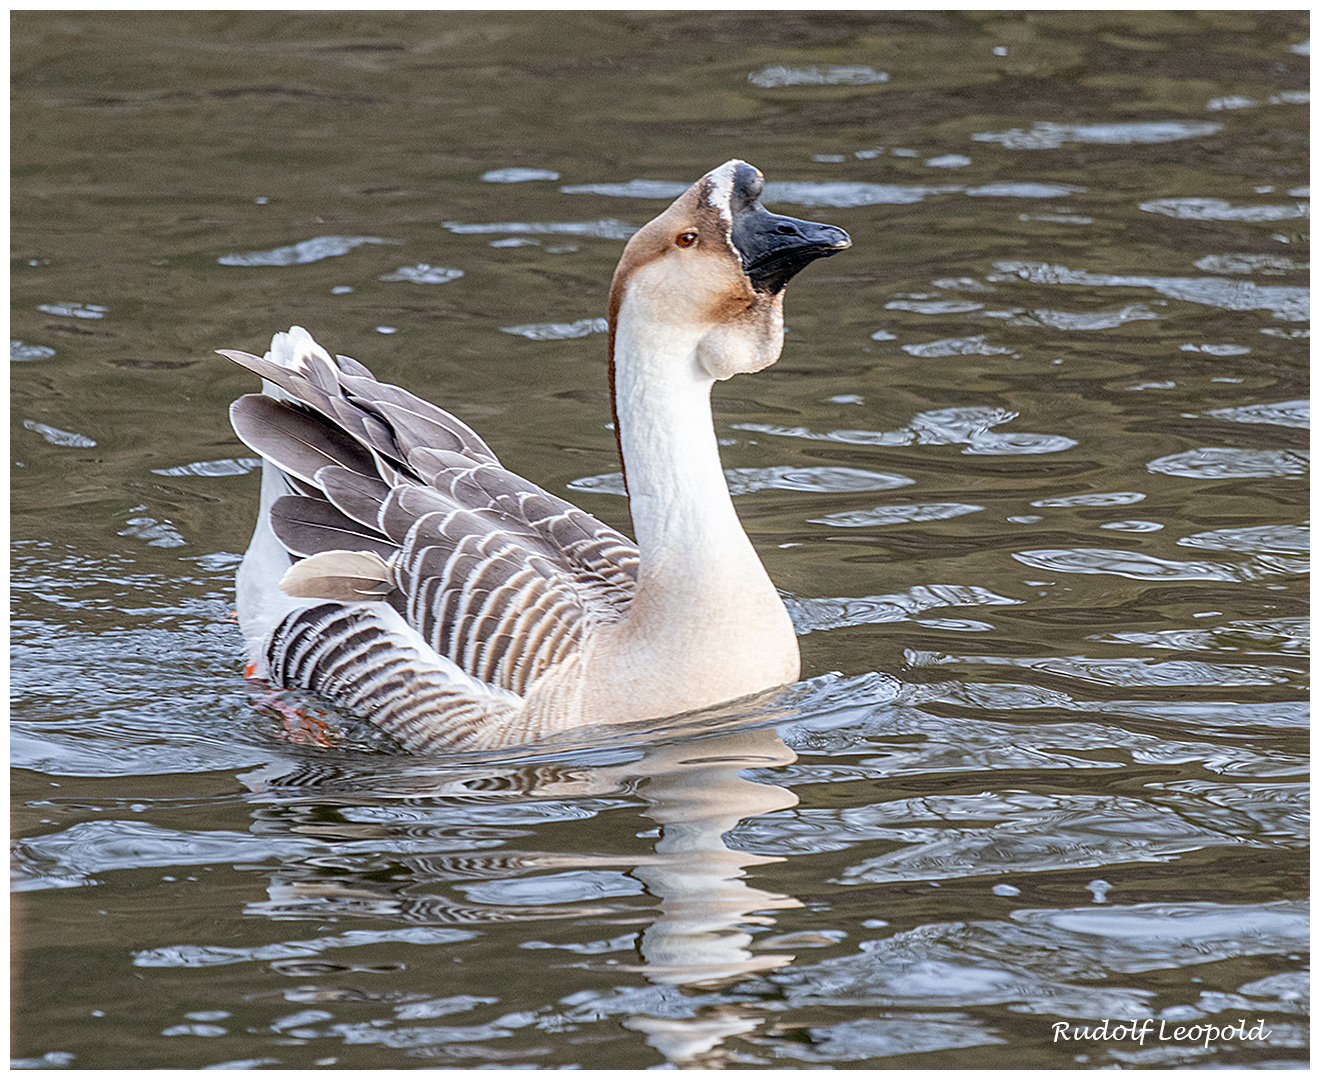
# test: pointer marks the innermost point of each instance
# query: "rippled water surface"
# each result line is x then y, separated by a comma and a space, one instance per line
1032, 474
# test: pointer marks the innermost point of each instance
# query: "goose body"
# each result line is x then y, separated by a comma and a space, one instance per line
399, 570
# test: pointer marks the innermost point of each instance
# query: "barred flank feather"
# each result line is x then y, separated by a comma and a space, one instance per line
347, 654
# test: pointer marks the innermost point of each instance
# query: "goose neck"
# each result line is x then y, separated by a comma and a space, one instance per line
677, 492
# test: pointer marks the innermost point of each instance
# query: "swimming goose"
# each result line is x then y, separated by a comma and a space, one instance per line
400, 571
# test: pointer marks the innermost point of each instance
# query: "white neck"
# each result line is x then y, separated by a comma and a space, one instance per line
706, 624
681, 508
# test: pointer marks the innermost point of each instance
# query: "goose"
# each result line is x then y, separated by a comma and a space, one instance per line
398, 570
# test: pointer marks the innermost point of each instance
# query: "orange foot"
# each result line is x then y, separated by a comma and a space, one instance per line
302, 724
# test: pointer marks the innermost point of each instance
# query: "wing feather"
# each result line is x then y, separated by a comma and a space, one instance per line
494, 573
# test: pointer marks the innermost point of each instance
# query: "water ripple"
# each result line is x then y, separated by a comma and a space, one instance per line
59, 437
1130, 564
424, 274
605, 229
1084, 320
835, 479
972, 345
1288, 636
1230, 463
822, 75
896, 515
1108, 498
219, 467
838, 194
1249, 263
1196, 209
305, 251
1291, 539
1122, 671
1290, 302
957, 836
832, 612
881, 1037
970, 425
1051, 136
74, 309
21, 352
558, 331
1295, 414
515, 175
198, 956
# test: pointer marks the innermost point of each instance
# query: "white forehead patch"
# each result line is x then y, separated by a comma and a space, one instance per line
721, 188
720, 195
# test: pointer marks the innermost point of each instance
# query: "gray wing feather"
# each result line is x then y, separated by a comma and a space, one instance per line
296, 440
307, 526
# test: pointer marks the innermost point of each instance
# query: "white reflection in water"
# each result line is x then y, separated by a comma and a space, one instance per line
1142, 567
424, 274
1281, 635
896, 515
1107, 498
1084, 320
58, 436
1229, 462
975, 345
743, 481
1290, 302
74, 309
1124, 671
840, 194
1132, 525
558, 331
833, 612
1249, 263
305, 251
935, 307
220, 467
1199, 209
1051, 136
822, 75
21, 352
605, 229
1295, 414
699, 929
966, 424
155, 533
1273, 538
517, 175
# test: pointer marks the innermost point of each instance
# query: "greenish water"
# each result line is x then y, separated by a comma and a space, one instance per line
1032, 473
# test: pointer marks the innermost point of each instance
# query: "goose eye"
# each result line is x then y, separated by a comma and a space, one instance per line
686, 239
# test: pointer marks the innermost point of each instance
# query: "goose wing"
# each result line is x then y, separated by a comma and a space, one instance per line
394, 499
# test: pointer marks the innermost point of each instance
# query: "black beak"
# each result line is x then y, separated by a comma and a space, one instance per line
774, 247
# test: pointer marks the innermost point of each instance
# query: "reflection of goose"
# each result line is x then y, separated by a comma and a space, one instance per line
400, 570
699, 932
706, 904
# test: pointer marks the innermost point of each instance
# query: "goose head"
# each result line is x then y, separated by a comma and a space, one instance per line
710, 272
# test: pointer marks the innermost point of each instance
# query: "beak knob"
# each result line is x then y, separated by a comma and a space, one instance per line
774, 247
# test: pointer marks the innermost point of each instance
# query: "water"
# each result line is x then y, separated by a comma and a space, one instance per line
1031, 473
